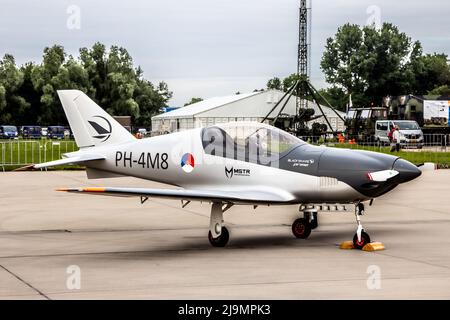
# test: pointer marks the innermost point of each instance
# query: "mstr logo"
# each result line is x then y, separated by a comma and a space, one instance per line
230, 173
102, 126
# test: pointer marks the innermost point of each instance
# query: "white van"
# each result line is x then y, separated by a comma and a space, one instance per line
411, 134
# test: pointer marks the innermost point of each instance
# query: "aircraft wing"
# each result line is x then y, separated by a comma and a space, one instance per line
246, 197
71, 160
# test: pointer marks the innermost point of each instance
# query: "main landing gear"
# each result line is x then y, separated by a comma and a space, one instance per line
218, 234
361, 238
301, 228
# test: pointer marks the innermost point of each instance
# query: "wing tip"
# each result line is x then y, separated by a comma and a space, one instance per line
89, 189
94, 189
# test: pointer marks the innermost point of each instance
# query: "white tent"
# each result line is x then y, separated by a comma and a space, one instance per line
243, 107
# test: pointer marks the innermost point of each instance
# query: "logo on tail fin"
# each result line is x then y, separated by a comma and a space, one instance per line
103, 128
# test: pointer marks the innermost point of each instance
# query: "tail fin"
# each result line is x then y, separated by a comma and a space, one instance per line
90, 124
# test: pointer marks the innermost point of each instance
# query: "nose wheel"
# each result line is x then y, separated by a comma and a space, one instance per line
360, 243
361, 238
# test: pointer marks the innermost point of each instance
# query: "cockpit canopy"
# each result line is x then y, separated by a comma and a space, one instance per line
248, 141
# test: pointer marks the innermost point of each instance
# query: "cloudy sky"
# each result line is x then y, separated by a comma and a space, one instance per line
205, 48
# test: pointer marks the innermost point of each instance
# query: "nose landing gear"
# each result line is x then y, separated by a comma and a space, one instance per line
361, 238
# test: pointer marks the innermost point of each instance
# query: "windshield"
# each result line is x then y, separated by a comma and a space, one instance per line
409, 125
10, 129
365, 114
56, 129
248, 141
351, 114
379, 114
32, 129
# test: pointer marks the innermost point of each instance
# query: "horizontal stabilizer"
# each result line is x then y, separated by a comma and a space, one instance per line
101, 174
72, 160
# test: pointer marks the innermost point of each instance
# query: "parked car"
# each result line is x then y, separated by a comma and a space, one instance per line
31, 132
44, 132
55, 132
8, 132
143, 131
411, 134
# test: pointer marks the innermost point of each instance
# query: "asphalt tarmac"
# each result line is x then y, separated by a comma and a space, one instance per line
57, 245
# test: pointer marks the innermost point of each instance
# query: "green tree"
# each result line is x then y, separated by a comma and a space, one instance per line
289, 81
336, 97
94, 61
275, 84
28, 95
57, 72
163, 90
371, 62
193, 100
433, 72
11, 78
30, 110
440, 91
343, 58
149, 100
121, 88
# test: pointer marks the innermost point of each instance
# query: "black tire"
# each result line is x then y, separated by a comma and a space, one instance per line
314, 223
222, 240
301, 228
365, 239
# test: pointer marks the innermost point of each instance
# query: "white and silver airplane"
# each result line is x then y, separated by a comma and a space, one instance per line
238, 163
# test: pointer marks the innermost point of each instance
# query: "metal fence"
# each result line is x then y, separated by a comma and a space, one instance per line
430, 143
17, 153
435, 148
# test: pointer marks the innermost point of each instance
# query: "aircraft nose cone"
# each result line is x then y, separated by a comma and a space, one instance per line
407, 171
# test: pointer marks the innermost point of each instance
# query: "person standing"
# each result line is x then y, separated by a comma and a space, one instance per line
396, 139
390, 134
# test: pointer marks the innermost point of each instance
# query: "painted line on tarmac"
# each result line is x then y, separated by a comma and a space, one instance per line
24, 282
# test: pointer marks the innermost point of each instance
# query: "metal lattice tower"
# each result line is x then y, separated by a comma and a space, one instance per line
303, 88
303, 53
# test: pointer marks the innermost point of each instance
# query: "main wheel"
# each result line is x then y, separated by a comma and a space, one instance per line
222, 240
365, 239
314, 223
301, 228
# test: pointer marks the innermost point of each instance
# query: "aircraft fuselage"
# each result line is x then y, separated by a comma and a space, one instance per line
305, 174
